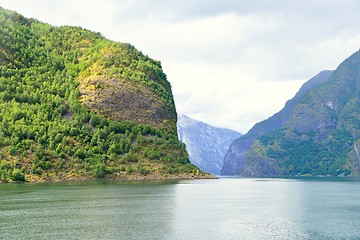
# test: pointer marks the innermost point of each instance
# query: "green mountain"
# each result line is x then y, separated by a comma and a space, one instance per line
322, 135
76, 105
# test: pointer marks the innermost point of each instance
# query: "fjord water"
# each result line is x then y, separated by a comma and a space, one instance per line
314, 208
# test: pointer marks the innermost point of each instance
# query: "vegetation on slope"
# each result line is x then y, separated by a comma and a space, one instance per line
322, 133
76, 105
235, 157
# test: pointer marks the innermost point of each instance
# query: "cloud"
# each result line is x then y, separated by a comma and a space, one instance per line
231, 63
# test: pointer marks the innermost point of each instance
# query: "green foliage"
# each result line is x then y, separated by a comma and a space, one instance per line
17, 175
143, 170
99, 170
43, 123
307, 154
129, 169
5, 167
130, 158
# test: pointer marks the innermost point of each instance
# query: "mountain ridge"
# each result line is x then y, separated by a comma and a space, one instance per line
322, 134
235, 157
205, 144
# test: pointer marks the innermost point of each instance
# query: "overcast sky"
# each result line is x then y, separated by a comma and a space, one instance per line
231, 63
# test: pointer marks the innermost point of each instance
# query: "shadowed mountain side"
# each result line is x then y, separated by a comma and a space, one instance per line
322, 134
234, 159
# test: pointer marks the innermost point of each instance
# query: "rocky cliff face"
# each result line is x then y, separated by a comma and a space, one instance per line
322, 134
206, 145
235, 157
123, 84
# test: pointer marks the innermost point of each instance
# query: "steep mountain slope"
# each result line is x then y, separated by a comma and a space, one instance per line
234, 159
322, 135
206, 145
76, 105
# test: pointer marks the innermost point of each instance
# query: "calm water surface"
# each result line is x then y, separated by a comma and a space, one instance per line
202, 209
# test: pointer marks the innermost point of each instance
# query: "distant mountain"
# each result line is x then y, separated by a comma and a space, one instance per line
206, 145
235, 157
321, 136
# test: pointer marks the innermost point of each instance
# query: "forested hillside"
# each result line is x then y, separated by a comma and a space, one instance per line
76, 105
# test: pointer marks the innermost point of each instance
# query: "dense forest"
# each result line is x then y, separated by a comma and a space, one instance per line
76, 105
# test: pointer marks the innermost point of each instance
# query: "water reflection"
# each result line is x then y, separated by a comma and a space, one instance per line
239, 209
87, 211
203, 209
332, 209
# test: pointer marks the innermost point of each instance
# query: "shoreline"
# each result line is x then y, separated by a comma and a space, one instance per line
159, 177
152, 177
